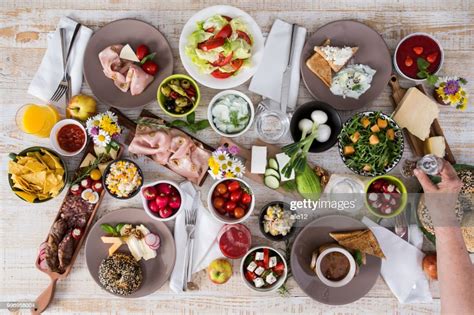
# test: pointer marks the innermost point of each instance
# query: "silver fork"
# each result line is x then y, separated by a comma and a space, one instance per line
63, 86
190, 222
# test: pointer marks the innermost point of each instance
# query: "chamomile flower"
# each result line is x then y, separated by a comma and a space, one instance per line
102, 139
238, 169
215, 173
230, 163
229, 175
93, 122
221, 157
112, 116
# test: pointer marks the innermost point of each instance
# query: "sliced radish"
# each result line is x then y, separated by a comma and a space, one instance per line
152, 240
43, 265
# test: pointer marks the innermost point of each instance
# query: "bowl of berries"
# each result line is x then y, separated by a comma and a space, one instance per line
162, 200
231, 201
386, 196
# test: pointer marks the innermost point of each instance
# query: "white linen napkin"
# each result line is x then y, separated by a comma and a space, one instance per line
402, 266
50, 72
268, 78
206, 248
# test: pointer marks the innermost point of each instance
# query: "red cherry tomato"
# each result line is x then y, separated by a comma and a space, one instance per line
235, 195
211, 43
218, 202
150, 67
250, 276
223, 60
266, 257
142, 51
244, 36
221, 188
221, 75
246, 198
279, 268
228, 18
225, 32
239, 212
226, 195
432, 57
233, 185
237, 63
230, 206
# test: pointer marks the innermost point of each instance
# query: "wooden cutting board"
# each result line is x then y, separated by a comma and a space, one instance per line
416, 144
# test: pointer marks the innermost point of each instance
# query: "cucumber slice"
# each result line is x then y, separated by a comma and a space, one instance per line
272, 163
272, 172
271, 182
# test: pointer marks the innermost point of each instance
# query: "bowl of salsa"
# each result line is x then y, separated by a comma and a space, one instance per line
68, 137
234, 240
414, 47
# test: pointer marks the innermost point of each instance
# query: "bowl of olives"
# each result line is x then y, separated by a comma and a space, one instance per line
178, 95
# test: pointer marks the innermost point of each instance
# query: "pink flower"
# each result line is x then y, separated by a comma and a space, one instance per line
234, 150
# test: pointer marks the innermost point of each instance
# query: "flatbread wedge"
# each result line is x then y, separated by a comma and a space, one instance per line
364, 242
335, 67
320, 67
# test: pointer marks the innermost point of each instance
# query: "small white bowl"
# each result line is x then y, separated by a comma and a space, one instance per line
150, 213
54, 139
350, 275
221, 218
211, 118
400, 72
277, 284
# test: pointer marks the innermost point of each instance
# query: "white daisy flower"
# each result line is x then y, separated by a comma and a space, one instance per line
238, 169
112, 116
221, 157
215, 176
102, 139
93, 122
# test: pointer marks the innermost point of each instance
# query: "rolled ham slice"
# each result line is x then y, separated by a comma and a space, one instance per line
138, 79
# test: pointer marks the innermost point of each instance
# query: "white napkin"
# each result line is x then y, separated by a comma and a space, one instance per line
401, 268
206, 248
268, 78
50, 72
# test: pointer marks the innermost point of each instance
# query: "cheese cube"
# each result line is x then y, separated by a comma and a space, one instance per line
259, 160
273, 262
259, 256
259, 271
435, 146
270, 279
283, 159
258, 282
252, 266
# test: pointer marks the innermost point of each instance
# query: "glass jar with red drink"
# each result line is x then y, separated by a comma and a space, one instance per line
234, 240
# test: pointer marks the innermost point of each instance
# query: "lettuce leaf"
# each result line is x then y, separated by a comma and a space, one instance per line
216, 21
203, 65
197, 37
241, 49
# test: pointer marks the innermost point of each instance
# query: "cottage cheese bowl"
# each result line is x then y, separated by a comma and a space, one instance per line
123, 179
230, 113
263, 269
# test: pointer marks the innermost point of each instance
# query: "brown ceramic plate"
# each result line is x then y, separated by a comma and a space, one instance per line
135, 33
309, 239
156, 271
373, 51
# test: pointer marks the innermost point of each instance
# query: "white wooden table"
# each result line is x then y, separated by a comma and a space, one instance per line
24, 26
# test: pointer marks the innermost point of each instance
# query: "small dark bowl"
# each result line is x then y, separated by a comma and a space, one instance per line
106, 173
13, 156
334, 121
277, 238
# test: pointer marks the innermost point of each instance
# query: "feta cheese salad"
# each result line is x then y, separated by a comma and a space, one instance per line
263, 267
220, 46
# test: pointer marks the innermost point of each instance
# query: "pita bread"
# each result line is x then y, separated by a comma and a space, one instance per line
364, 241
340, 236
330, 61
321, 68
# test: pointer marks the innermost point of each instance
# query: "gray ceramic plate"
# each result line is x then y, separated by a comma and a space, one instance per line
373, 51
309, 239
156, 271
135, 33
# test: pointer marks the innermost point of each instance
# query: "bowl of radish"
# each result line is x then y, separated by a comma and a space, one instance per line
386, 196
162, 200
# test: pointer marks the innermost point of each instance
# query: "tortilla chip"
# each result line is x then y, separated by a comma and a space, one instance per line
57, 162
26, 196
364, 241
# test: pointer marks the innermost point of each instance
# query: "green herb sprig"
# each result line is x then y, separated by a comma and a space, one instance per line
190, 123
423, 73
84, 172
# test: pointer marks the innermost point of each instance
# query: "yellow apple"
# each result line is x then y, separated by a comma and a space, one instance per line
81, 107
219, 271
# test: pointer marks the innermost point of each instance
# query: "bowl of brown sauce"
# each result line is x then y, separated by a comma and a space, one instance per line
335, 267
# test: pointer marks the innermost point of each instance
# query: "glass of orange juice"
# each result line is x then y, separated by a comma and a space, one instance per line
36, 119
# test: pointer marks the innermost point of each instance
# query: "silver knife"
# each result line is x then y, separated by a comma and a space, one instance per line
286, 79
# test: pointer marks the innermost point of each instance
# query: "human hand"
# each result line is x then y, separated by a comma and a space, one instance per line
441, 198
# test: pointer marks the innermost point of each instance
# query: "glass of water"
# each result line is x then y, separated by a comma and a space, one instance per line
272, 125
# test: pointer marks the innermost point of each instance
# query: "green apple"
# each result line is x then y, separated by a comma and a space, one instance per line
219, 271
81, 107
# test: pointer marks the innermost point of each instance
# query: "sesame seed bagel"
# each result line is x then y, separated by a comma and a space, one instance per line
120, 274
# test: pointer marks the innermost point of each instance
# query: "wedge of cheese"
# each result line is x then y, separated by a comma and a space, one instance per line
416, 112
435, 146
115, 241
127, 53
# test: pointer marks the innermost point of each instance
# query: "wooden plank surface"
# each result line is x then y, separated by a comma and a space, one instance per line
24, 27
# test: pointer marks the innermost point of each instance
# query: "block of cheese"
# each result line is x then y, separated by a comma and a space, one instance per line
436, 146
283, 159
416, 112
259, 160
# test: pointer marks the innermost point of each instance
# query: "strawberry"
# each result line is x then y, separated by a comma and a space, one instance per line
432, 57
408, 61
418, 50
